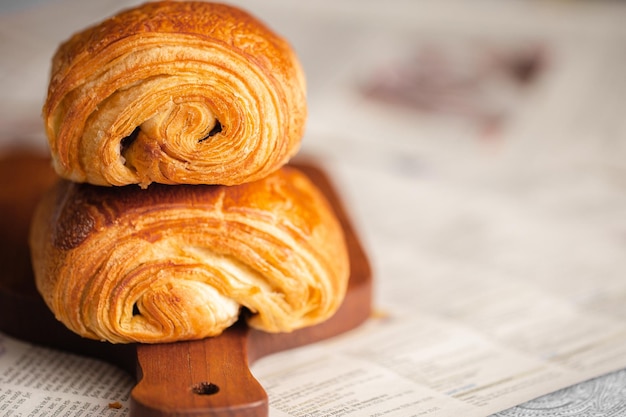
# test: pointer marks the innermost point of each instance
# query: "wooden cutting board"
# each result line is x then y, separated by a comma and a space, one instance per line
209, 377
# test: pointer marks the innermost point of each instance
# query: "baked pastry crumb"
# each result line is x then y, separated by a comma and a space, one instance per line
116, 405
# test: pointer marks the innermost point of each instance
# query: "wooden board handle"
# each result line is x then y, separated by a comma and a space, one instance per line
208, 377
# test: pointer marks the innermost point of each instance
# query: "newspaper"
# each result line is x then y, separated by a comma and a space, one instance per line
36, 381
484, 170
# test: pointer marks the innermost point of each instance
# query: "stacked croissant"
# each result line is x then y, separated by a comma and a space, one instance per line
171, 125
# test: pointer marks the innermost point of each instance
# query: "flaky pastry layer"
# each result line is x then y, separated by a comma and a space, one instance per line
173, 263
174, 93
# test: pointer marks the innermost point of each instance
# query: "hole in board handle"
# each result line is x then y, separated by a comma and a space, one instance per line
205, 388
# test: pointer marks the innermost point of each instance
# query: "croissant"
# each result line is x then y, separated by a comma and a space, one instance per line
183, 262
174, 93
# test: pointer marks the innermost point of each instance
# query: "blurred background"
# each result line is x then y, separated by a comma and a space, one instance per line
436, 105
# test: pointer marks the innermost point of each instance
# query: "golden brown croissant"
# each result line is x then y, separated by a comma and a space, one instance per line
178, 262
174, 93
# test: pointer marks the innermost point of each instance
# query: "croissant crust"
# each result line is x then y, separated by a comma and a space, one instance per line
173, 263
174, 93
